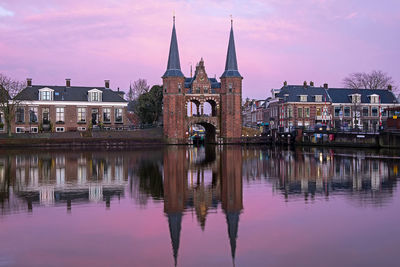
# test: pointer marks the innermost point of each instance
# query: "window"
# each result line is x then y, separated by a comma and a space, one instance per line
179, 87
318, 112
34, 130
347, 111
300, 112
60, 129
118, 115
46, 95
337, 111
365, 112
81, 114
230, 88
374, 112
59, 114
33, 112
374, 99
307, 112
318, 98
303, 98
289, 112
1, 122
20, 116
384, 112
356, 98
205, 89
81, 128
106, 115
95, 95
46, 115
19, 129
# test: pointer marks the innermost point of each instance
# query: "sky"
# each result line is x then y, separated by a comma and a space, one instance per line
90, 41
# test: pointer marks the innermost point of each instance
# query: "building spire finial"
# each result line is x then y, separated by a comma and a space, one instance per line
174, 65
173, 17
231, 67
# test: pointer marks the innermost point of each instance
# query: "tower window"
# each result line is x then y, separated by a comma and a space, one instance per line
179, 87
230, 88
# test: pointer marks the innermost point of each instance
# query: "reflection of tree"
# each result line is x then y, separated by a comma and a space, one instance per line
150, 179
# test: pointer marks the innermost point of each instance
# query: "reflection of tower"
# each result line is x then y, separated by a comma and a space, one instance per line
232, 191
175, 192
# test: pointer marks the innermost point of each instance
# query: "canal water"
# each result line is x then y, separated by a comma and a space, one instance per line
213, 206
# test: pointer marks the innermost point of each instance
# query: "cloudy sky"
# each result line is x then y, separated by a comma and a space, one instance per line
123, 40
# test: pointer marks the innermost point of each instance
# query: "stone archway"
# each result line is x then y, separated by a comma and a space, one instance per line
211, 130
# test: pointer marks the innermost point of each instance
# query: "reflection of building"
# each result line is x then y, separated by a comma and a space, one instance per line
53, 178
175, 192
232, 191
311, 171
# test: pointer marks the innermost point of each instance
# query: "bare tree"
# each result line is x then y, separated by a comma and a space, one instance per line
138, 87
376, 79
9, 88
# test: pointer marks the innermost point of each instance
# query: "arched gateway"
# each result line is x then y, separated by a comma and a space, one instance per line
223, 122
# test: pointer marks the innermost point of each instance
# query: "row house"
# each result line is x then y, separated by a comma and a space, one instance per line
363, 109
68, 108
306, 106
300, 106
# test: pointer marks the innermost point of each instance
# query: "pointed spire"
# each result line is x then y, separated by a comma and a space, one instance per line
175, 221
231, 67
232, 219
174, 65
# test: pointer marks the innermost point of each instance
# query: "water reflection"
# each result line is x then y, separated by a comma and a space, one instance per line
197, 181
364, 176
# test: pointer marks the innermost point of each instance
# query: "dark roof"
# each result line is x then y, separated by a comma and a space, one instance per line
214, 83
231, 67
73, 93
341, 95
174, 65
293, 93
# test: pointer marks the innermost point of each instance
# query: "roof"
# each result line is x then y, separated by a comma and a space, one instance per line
73, 93
294, 92
231, 66
341, 95
213, 82
174, 65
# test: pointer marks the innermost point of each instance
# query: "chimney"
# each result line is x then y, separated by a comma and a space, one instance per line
325, 85
305, 84
67, 82
29, 82
390, 87
312, 83
285, 83
107, 84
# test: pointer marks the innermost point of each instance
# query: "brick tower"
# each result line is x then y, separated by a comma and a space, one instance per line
173, 95
231, 95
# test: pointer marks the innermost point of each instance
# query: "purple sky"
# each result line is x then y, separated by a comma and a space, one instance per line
276, 40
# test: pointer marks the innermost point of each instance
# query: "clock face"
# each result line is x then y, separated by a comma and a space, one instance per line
201, 78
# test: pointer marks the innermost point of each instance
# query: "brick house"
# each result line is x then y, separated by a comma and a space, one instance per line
299, 106
68, 108
363, 109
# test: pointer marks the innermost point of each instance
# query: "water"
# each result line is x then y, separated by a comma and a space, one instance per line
214, 206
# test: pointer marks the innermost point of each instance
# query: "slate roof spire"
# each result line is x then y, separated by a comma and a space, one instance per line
174, 65
231, 67
174, 222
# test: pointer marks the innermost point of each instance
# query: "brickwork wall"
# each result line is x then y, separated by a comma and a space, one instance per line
70, 117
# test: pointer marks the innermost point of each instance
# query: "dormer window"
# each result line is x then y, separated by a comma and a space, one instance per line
374, 99
95, 95
46, 94
356, 98
318, 98
303, 98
